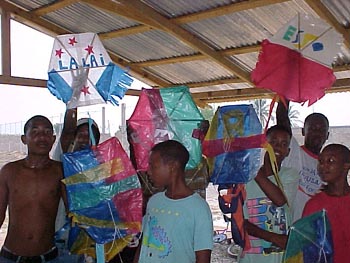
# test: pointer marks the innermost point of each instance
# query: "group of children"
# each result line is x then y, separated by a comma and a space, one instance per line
313, 179
177, 225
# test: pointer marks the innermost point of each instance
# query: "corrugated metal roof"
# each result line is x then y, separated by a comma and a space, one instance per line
81, 17
209, 45
191, 72
185, 7
340, 9
149, 45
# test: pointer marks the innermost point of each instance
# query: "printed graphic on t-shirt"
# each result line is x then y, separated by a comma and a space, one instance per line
157, 240
310, 182
263, 213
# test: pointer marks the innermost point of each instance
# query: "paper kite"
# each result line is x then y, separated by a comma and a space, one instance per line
310, 240
232, 145
296, 62
104, 198
164, 114
81, 72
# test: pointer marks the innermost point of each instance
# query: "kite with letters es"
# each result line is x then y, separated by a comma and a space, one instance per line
160, 115
81, 72
104, 198
310, 240
296, 62
232, 145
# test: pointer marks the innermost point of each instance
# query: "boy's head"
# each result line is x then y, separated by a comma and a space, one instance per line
279, 138
316, 131
334, 163
167, 159
82, 137
38, 135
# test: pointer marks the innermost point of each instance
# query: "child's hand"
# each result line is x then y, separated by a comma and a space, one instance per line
280, 240
266, 168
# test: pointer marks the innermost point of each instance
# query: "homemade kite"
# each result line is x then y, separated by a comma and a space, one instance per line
104, 198
164, 114
232, 144
296, 62
81, 72
310, 240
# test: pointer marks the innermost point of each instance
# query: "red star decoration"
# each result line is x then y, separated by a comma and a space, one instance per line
85, 90
59, 52
72, 41
89, 49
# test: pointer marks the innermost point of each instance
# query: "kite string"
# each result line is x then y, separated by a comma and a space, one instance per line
115, 229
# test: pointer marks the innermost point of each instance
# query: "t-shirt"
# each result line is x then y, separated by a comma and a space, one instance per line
172, 230
260, 211
305, 163
338, 212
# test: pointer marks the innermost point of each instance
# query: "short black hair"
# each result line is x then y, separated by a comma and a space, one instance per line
95, 131
316, 115
172, 150
278, 128
29, 122
345, 152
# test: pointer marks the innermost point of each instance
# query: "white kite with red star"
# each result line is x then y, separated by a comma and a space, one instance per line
82, 73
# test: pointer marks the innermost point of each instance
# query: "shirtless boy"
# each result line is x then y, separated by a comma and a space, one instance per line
31, 188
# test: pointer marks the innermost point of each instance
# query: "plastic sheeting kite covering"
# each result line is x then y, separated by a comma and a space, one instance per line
232, 144
104, 198
296, 62
164, 114
310, 240
81, 72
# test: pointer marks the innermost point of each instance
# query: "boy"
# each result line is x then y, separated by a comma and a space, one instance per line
268, 214
304, 158
31, 189
177, 226
333, 168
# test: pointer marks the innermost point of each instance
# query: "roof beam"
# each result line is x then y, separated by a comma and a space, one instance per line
324, 13
218, 11
234, 94
116, 8
213, 83
165, 24
52, 7
41, 83
5, 43
340, 85
198, 56
226, 9
33, 20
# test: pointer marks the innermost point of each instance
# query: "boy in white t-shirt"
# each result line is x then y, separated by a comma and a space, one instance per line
304, 158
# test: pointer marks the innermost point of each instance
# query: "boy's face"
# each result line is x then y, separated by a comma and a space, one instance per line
316, 133
279, 141
39, 136
82, 138
331, 165
158, 171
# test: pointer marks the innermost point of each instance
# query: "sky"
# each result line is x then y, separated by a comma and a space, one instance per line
31, 51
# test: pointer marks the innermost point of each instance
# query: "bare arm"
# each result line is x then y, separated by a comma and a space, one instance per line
69, 127
279, 240
137, 253
203, 256
272, 191
282, 115
3, 195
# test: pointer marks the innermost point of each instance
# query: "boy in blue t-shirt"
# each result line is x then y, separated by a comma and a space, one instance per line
177, 226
